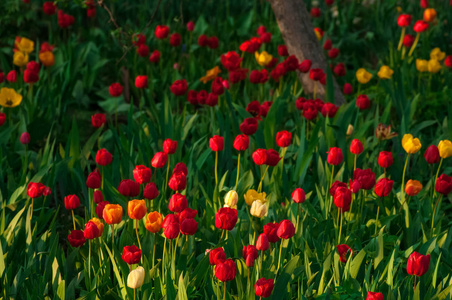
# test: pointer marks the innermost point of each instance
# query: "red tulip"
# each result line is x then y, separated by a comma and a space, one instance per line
100, 209
154, 57
98, 197
49, 8
131, 254
374, 296
264, 287
91, 231
365, 177
249, 126
25, 138
231, 60
385, 159
97, 120
171, 231
177, 203
283, 139
262, 242
417, 264
420, 26
226, 270
143, 50
259, 156
431, 155
11, 76
142, 174
179, 87
175, 39
150, 191
383, 187
362, 102
94, 180
335, 156
249, 255
76, 238
71, 202
356, 147
141, 82
344, 252
103, 157
241, 142
329, 109
217, 256
178, 181
161, 32
180, 167
35, 189
129, 188
188, 226
443, 184
169, 146
342, 198
187, 213
190, 26
216, 143
333, 53
226, 218
348, 89
286, 229
298, 196
282, 50
159, 160
305, 66
404, 20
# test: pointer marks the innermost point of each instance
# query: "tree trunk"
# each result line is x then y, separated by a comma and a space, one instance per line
298, 34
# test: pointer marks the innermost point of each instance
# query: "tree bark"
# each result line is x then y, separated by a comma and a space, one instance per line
298, 34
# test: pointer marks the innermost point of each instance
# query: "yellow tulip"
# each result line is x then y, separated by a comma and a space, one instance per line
263, 59
9, 97
421, 65
411, 144
136, 278
445, 148
434, 66
211, 75
363, 76
259, 209
437, 54
25, 45
231, 199
349, 129
253, 195
20, 59
385, 72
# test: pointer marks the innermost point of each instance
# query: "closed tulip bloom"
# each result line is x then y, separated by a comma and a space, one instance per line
365, 177
374, 296
217, 256
335, 156
344, 251
448, 61
259, 156
226, 218
177, 203
424, 3
305, 66
241, 142
385, 72
434, 66
154, 57
172, 230
356, 147
411, 144
445, 148
226, 270
170, 218
429, 15
179, 87
298, 196
161, 32
286, 229
231, 199
252, 195
420, 26
11, 76
362, 102
25, 138
354, 185
272, 158
187, 213
259, 209
216, 143
136, 278
131, 254
150, 191
329, 110
249, 126
154, 222
35, 189
142, 174
100, 209
97, 120
71, 202
20, 59
249, 255
363, 76
262, 242
169, 146
422, 65
413, 187
408, 41
178, 181
94, 180
91, 231
141, 82
190, 26
159, 160
99, 225
443, 184
283, 139
180, 167
115, 89
175, 39
418, 264
271, 230
264, 287
431, 155
103, 157
348, 89
136, 209
76, 238
112, 214
385, 159
342, 198
188, 226
404, 20
49, 8
383, 187
129, 188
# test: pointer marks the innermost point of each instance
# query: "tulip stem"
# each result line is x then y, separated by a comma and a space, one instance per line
403, 179
134, 294
415, 279
113, 239
238, 172
89, 261
279, 258
282, 160
340, 228
73, 218
167, 172
102, 178
116, 120
354, 164
401, 39
224, 294
414, 44
216, 167
153, 252
262, 178
434, 212
31, 213
138, 237
163, 261
376, 221
436, 177
298, 216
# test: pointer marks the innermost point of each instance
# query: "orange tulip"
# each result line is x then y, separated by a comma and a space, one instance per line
136, 209
112, 214
47, 58
154, 222
99, 225
429, 15
413, 187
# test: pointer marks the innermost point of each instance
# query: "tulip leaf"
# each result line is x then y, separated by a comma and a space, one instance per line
280, 289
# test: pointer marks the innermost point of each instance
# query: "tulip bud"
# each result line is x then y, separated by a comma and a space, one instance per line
161, 32
259, 156
142, 174
259, 209
344, 252
115, 89
154, 222
249, 255
298, 196
262, 243
188, 226
216, 143
335, 156
94, 180
141, 82
171, 231
418, 264
383, 187
356, 147
385, 159
342, 198
286, 229
241, 142
91, 231
177, 203
431, 155
271, 230
231, 198
264, 287
100, 209
159, 160
103, 157
131, 254
136, 209
150, 191
112, 213
136, 278
226, 218
25, 138
413, 187
226, 270
71, 202
283, 139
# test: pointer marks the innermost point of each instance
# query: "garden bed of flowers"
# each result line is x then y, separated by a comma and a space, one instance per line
168, 150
